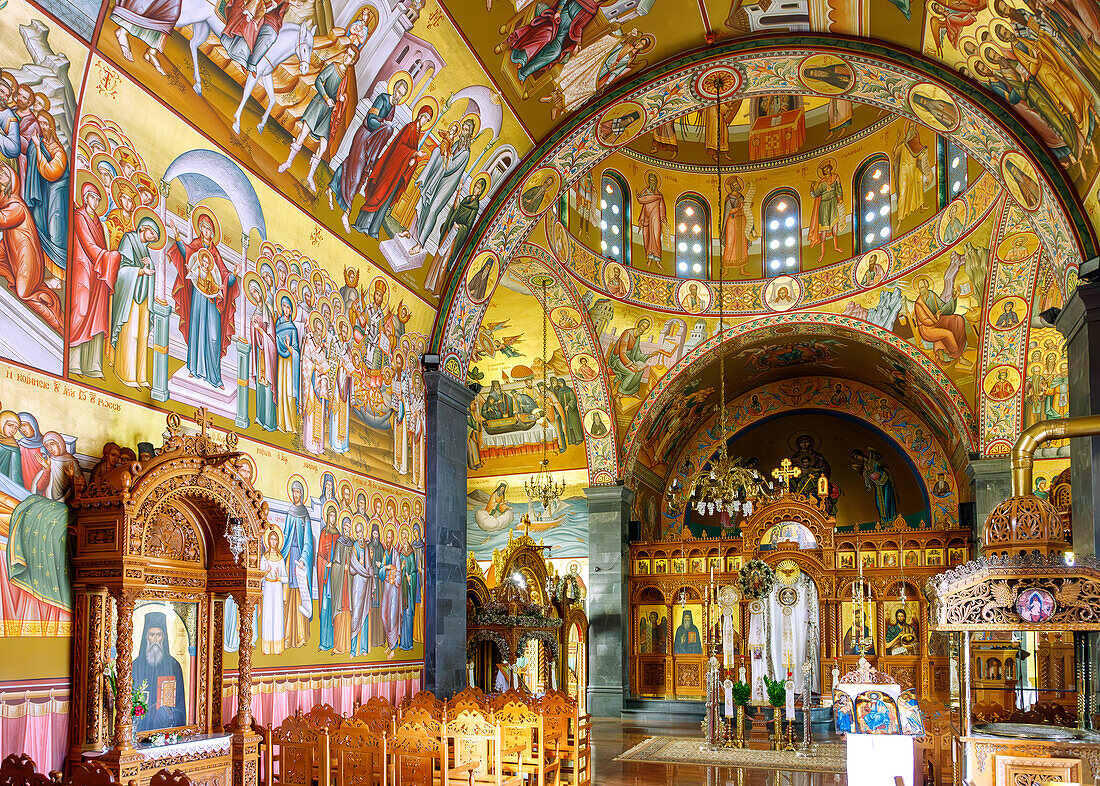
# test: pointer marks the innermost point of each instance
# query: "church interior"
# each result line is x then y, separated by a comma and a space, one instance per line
530, 392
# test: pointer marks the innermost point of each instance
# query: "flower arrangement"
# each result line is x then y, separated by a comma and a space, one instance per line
137, 699
755, 579
777, 691
741, 692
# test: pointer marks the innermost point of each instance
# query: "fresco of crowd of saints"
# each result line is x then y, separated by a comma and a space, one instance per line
37, 111
1039, 57
355, 88
358, 555
330, 363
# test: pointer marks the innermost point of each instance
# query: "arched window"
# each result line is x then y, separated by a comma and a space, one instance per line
952, 168
692, 237
873, 208
782, 233
614, 218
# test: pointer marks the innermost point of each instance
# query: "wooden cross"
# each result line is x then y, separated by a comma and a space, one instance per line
784, 472
204, 419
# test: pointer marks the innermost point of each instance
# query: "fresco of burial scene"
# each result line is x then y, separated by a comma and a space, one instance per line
729, 319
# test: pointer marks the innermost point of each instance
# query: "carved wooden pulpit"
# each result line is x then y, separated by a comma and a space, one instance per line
158, 547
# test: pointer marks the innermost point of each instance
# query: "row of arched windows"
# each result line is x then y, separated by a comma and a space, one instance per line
781, 212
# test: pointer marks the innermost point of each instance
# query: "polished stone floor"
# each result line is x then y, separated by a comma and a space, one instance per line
610, 738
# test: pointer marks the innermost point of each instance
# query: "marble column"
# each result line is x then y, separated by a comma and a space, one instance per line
990, 485
608, 516
446, 403
1079, 322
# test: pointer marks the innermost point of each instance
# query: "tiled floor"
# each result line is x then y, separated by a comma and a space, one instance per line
611, 738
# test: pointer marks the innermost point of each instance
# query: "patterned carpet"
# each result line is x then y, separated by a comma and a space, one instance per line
831, 756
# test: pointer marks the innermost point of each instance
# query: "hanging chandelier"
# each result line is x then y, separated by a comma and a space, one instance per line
729, 486
541, 486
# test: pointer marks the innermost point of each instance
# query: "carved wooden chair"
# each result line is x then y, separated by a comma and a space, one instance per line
298, 748
415, 751
470, 698
19, 770
424, 700
474, 754
91, 773
170, 778
323, 715
570, 733
359, 747
521, 727
377, 711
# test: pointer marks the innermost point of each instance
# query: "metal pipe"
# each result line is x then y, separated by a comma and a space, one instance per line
1023, 452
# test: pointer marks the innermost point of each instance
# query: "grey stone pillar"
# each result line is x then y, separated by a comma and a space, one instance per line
445, 536
608, 516
1079, 322
990, 485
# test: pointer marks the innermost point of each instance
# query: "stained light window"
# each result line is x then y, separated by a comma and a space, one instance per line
692, 237
952, 169
782, 233
614, 218
873, 208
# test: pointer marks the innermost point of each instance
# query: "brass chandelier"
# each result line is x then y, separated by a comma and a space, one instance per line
541, 486
729, 486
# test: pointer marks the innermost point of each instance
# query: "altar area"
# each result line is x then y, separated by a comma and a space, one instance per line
849, 594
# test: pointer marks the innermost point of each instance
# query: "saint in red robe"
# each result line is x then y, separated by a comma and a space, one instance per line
93, 270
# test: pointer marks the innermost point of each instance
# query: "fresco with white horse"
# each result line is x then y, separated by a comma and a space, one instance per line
318, 98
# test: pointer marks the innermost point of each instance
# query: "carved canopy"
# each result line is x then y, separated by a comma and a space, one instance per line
792, 509
168, 514
985, 595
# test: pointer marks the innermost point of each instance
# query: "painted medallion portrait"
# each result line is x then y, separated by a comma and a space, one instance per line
1021, 181
1018, 247
1008, 313
1001, 382
566, 317
827, 74
693, 296
934, 107
620, 124
597, 423
952, 222
481, 276
585, 368
539, 191
616, 280
871, 269
1035, 605
782, 293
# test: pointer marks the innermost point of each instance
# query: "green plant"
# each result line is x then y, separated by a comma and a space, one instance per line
777, 691
741, 692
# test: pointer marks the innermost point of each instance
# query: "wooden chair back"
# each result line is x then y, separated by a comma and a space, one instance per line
524, 738
324, 716
569, 731
298, 749
377, 710
415, 751
359, 748
469, 699
90, 773
423, 700
167, 777
18, 769
473, 752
